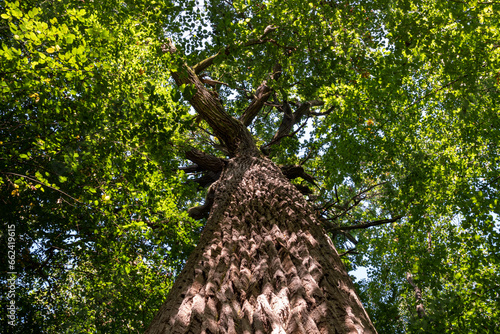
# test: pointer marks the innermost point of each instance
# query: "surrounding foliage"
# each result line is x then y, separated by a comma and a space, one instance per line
403, 135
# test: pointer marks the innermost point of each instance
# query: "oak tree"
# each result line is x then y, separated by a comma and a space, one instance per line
230, 144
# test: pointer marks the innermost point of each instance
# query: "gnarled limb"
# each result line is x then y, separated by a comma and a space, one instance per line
205, 63
229, 130
304, 190
202, 211
294, 171
261, 96
289, 120
207, 179
205, 161
213, 83
210, 165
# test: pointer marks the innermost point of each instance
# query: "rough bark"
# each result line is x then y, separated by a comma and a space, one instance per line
263, 265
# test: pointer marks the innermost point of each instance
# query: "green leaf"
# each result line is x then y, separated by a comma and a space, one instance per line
70, 38
16, 13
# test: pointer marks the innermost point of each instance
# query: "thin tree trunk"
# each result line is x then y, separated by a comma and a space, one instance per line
263, 265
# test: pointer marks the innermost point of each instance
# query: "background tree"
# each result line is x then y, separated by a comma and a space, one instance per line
392, 107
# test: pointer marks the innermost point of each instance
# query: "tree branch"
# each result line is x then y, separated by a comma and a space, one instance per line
261, 96
294, 171
356, 199
229, 130
43, 184
364, 224
207, 179
287, 123
202, 65
209, 164
213, 83
350, 251
202, 211
263, 91
205, 161
304, 190
190, 169
418, 295
434, 91
324, 113
198, 68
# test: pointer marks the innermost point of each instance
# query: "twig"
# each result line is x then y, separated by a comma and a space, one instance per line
434, 91
350, 251
37, 181
364, 224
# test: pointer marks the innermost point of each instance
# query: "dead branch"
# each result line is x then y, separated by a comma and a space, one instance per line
350, 251
43, 184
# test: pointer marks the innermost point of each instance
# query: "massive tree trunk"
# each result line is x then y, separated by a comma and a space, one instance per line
263, 264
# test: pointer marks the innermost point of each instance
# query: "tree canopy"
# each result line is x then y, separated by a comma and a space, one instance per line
389, 111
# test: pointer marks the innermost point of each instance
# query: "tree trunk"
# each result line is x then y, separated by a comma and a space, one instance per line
263, 265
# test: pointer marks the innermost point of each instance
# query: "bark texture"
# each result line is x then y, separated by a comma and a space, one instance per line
263, 265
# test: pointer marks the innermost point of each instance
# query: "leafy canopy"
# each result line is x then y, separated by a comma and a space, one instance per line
404, 122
